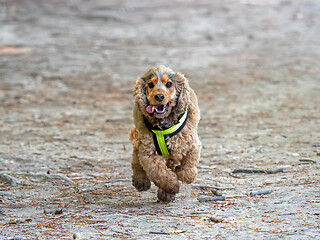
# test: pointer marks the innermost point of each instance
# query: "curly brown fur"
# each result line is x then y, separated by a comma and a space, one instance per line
161, 103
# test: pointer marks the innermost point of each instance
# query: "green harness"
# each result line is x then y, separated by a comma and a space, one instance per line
160, 135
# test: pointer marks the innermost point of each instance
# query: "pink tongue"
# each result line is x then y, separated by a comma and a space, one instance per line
150, 109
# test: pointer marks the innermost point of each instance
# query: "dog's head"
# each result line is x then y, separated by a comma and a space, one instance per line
161, 91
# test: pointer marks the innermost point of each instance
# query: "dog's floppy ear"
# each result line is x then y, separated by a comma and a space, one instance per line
140, 93
183, 92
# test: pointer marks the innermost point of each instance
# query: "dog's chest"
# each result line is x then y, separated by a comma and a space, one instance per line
179, 145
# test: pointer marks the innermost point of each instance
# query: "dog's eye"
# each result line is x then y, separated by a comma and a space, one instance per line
151, 85
169, 84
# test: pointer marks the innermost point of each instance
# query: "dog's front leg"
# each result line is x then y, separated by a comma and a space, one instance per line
157, 171
188, 169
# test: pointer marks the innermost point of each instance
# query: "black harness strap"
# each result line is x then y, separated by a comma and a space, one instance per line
155, 139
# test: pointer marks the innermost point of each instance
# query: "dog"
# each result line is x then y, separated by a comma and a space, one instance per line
166, 146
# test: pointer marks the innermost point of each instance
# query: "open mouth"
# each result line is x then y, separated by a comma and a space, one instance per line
159, 109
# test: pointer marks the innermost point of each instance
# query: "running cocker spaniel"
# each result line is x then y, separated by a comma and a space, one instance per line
166, 147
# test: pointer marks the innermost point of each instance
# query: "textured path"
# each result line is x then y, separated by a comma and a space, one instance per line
67, 71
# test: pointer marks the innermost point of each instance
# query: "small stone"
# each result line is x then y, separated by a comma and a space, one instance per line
216, 219
7, 178
216, 192
268, 182
53, 211
76, 236
20, 220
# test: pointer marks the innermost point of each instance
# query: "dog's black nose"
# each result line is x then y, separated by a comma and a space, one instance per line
159, 97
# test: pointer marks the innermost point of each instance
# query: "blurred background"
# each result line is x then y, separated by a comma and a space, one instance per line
68, 69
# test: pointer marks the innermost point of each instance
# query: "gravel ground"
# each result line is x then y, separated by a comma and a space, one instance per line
67, 72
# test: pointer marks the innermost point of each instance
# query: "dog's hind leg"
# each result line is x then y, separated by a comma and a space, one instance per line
139, 178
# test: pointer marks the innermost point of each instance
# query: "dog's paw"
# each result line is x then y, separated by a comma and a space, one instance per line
187, 175
141, 184
172, 187
163, 196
